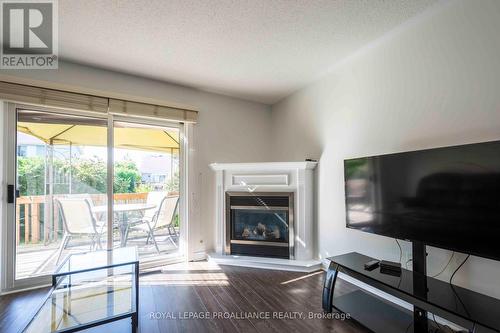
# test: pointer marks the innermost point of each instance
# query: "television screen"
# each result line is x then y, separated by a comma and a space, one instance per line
444, 197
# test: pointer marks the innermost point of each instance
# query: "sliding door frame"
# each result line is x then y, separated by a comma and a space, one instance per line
183, 176
8, 251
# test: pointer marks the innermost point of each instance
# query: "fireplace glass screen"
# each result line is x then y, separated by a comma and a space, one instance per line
265, 224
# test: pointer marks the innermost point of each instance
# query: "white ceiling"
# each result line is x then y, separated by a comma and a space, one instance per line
260, 50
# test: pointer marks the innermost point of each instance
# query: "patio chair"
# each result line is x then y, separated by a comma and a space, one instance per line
78, 220
155, 198
162, 219
100, 221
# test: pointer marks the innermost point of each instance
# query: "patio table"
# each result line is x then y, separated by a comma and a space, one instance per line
124, 209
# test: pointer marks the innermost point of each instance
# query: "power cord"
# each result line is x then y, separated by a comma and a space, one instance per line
400, 258
453, 288
440, 327
400, 250
458, 268
446, 266
408, 327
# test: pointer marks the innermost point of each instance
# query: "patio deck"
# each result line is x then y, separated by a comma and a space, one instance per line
37, 253
38, 259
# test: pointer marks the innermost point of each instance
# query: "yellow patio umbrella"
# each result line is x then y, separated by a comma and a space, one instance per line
55, 130
137, 138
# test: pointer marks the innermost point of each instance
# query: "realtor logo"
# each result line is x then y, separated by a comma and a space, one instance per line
29, 34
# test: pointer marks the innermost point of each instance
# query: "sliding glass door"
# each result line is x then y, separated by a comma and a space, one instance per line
61, 176
146, 188
66, 166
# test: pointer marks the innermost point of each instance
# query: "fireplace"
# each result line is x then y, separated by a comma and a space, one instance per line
259, 224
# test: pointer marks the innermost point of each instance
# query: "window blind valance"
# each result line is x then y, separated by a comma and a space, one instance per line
53, 98
122, 107
62, 99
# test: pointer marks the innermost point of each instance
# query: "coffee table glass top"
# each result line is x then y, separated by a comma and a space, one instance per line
90, 289
83, 304
98, 259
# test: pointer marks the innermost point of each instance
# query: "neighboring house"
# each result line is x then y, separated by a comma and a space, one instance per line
29, 150
156, 170
29, 146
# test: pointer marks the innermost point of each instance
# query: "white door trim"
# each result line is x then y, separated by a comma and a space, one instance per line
8, 176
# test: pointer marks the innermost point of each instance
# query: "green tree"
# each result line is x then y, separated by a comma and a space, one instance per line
31, 175
173, 184
127, 177
87, 176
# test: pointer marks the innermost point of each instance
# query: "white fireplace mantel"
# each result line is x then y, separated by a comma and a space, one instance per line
296, 177
264, 166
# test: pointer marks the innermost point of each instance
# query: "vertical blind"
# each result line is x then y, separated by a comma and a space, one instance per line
68, 100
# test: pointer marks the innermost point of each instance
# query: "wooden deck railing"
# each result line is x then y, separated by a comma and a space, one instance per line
33, 209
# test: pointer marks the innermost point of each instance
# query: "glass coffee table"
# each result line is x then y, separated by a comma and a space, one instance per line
91, 289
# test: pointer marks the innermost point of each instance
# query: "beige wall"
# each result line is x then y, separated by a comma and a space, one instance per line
432, 82
228, 130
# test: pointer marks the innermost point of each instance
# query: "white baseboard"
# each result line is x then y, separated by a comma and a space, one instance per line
198, 255
13, 291
306, 266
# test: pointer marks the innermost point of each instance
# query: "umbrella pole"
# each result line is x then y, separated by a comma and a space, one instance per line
46, 229
70, 168
51, 191
171, 164
49, 223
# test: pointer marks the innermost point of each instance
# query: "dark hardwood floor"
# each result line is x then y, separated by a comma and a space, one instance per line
16, 309
204, 288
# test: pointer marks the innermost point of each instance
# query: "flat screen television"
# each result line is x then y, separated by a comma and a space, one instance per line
444, 197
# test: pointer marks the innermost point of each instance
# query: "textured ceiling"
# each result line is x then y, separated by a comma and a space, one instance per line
260, 50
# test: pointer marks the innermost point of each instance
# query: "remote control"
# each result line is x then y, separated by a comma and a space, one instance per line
371, 265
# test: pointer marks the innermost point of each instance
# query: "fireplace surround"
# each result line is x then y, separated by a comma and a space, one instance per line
269, 180
260, 224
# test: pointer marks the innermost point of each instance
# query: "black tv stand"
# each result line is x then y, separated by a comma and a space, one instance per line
419, 263
476, 312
